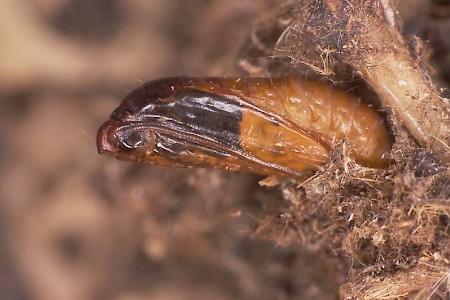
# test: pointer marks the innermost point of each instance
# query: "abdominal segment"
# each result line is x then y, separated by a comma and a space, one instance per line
326, 113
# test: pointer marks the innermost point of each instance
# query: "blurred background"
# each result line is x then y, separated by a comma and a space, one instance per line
76, 225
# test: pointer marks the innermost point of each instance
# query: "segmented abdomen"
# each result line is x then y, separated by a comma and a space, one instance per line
328, 114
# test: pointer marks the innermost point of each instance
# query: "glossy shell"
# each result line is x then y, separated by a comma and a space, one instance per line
280, 126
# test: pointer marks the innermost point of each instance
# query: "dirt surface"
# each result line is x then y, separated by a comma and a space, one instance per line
76, 225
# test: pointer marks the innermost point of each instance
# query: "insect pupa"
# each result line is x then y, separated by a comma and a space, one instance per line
276, 126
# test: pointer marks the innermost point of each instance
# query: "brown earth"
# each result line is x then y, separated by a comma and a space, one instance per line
76, 225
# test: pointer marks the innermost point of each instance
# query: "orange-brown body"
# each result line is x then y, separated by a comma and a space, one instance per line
281, 126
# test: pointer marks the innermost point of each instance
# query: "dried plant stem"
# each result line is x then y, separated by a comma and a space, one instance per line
363, 34
413, 98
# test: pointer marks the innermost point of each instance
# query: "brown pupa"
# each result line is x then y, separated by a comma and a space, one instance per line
276, 126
